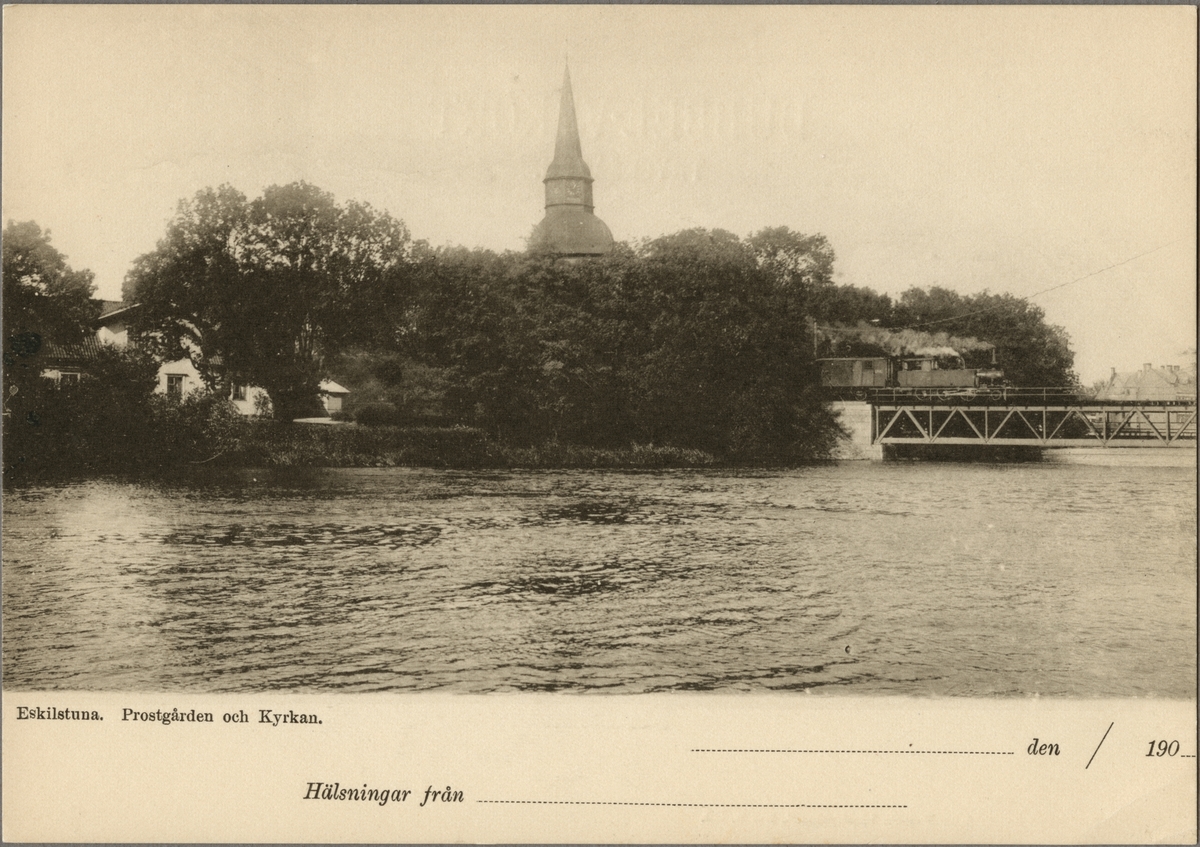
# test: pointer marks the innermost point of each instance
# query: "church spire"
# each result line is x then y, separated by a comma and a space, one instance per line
569, 228
568, 154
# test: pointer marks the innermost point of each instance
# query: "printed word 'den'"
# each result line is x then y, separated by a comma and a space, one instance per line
1036, 749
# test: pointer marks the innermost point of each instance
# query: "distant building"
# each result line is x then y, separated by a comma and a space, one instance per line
332, 395
569, 227
113, 323
65, 364
1170, 382
177, 379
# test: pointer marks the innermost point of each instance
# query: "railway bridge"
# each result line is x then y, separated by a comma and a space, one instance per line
1031, 418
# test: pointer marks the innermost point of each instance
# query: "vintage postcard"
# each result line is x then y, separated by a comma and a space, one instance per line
599, 424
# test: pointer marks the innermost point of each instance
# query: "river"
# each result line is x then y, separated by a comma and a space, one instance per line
1074, 577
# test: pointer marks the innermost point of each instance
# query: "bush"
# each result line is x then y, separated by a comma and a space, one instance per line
113, 421
199, 428
97, 423
376, 414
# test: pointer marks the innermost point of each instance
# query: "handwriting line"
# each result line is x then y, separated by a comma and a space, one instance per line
695, 805
911, 752
1098, 746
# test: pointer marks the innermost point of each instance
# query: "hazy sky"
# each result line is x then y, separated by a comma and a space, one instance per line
1006, 148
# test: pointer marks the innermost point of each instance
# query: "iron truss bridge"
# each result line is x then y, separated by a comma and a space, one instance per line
1044, 424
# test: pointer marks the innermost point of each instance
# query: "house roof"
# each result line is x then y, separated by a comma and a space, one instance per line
328, 386
110, 309
65, 354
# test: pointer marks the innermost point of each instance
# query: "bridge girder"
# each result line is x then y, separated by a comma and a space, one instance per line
1057, 425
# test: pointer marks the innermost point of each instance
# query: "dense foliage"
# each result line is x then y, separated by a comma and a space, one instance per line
1031, 352
112, 420
693, 348
691, 340
45, 302
982, 327
262, 292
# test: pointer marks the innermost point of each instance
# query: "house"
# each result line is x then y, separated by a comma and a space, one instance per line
66, 363
332, 395
113, 322
177, 379
1166, 383
63, 364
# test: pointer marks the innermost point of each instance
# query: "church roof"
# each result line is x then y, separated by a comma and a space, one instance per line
572, 232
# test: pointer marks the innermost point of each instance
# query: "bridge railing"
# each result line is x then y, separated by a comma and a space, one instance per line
1006, 396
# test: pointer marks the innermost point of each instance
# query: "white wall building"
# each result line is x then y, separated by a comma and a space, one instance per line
180, 378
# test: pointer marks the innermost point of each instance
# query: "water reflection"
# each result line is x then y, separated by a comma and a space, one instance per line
946, 579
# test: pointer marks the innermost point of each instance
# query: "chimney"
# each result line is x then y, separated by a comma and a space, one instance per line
1113, 375
1146, 367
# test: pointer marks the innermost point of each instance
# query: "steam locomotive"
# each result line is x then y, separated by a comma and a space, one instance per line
932, 375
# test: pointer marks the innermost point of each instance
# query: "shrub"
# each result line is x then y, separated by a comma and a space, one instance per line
263, 408
376, 414
95, 424
199, 428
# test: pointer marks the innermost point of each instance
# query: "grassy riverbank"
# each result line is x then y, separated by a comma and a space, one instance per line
267, 444
224, 441
85, 432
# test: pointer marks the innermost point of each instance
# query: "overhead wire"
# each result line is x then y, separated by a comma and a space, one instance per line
1046, 290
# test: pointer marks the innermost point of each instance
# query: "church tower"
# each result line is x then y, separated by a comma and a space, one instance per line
569, 227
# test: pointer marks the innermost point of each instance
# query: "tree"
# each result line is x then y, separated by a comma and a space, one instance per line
263, 292
793, 259
1031, 352
729, 366
44, 300
686, 341
847, 305
101, 421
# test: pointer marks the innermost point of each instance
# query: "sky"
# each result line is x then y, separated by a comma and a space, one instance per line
1011, 148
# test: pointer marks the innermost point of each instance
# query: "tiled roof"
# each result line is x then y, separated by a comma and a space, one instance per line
84, 351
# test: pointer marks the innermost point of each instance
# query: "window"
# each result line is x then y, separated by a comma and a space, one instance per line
239, 392
175, 385
69, 378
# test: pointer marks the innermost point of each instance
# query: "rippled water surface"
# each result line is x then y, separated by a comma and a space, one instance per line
1063, 578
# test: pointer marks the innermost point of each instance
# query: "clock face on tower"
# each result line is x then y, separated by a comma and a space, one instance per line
566, 191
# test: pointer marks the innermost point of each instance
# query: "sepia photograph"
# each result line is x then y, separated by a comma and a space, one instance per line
609, 368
